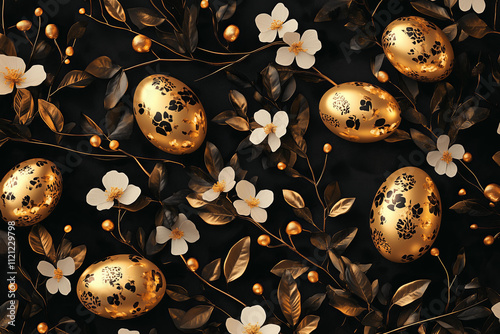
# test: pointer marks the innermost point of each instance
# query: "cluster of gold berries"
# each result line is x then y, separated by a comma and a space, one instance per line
95, 141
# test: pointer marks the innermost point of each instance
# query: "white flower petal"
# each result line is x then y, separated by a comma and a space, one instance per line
96, 196
433, 157
270, 329
33, 77
115, 179
12, 63
105, 205
229, 186
257, 136
457, 151
233, 326
126, 331
227, 174
440, 167
258, 214
262, 117
443, 143
478, 6
280, 12
288, 26
179, 246
4, 88
281, 120
162, 234
311, 41
291, 37
254, 315
465, 5
245, 189
191, 234
64, 286
265, 197
67, 265
267, 36
180, 219
451, 169
130, 195
496, 310
210, 195
46, 269
263, 22
305, 60
284, 57
52, 285
241, 207
273, 141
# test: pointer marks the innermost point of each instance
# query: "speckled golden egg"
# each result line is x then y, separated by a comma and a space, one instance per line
359, 112
418, 49
169, 114
30, 191
406, 215
121, 286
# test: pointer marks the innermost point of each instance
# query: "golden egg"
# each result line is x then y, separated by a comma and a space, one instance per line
30, 192
406, 215
121, 286
418, 49
231, 33
169, 114
51, 31
492, 192
359, 112
23, 25
141, 43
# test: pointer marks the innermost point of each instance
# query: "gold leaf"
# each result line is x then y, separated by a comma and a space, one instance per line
308, 324
342, 302
176, 316
212, 271
216, 215
195, 200
115, 10
296, 268
410, 292
289, 298
341, 207
24, 106
196, 317
76, 79
238, 123
237, 260
496, 158
213, 160
293, 199
40, 241
78, 254
177, 293
51, 115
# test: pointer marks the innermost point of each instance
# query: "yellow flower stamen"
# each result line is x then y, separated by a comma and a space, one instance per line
114, 193
253, 202
252, 329
13, 77
270, 128
219, 186
58, 274
276, 25
297, 48
447, 157
176, 234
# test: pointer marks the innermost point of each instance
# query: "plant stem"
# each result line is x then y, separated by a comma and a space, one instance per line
317, 192
324, 76
477, 180
447, 282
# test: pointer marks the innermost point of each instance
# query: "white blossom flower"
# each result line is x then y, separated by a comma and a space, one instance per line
252, 319
477, 5
57, 280
276, 23
12, 68
252, 205
183, 230
300, 48
496, 310
442, 159
126, 331
274, 129
117, 187
224, 184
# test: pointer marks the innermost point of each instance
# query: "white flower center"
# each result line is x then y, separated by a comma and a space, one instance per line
219, 186
270, 128
297, 48
276, 25
447, 157
176, 234
252, 329
114, 193
58, 274
252, 202
13, 77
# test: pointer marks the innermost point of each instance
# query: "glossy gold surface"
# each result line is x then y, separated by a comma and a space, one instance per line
492, 192
359, 112
418, 49
406, 215
169, 114
30, 191
121, 286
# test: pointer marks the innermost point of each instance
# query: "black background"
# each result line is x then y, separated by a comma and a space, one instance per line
359, 168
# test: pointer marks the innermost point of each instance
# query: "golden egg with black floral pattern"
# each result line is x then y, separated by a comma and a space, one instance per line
359, 112
30, 191
418, 49
121, 287
405, 216
169, 114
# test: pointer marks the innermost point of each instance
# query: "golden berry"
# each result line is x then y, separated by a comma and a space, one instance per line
231, 33
257, 289
42, 328
312, 276
281, 165
382, 76
293, 228
12, 287
435, 251
81, 11
474, 227
192, 264
114, 144
264, 240
68, 228
462, 192
204, 4
467, 157
95, 141
489, 240
67, 61
51, 31
23, 25
327, 148
108, 225
141, 43
38, 12
70, 51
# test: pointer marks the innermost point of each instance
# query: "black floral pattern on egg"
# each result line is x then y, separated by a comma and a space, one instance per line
434, 204
162, 84
188, 96
353, 122
405, 181
175, 105
405, 228
162, 123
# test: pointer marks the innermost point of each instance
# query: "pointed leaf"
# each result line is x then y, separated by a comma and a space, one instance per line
158, 179
289, 298
459, 263
76, 31
40, 241
196, 317
410, 292
308, 324
431, 9
102, 68
358, 282
115, 10
342, 239
144, 17
237, 260
212, 271
78, 254
51, 115
341, 207
115, 90
271, 80
295, 268
293, 198
213, 160
76, 79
